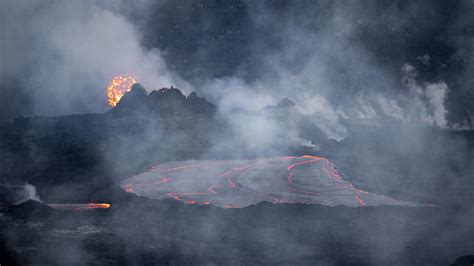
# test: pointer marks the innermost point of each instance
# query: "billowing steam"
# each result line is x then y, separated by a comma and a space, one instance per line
17, 194
71, 50
415, 104
74, 50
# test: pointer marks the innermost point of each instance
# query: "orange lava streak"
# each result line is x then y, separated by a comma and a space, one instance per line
79, 206
361, 202
117, 88
332, 172
97, 206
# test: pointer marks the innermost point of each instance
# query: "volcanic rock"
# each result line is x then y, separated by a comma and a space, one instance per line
138, 89
14, 194
467, 260
163, 103
134, 102
31, 209
169, 102
200, 104
288, 116
285, 103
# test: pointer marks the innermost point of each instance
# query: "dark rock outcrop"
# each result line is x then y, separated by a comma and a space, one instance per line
134, 103
164, 103
200, 104
31, 209
283, 105
467, 260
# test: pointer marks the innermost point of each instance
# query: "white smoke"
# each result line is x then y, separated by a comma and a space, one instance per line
20, 194
107, 44
234, 95
426, 102
325, 116
417, 104
72, 50
78, 48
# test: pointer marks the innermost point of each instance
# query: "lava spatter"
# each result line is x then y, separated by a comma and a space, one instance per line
118, 86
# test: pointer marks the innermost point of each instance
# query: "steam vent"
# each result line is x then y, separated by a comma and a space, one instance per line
236, 184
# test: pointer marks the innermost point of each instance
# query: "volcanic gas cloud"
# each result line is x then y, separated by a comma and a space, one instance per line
239, 183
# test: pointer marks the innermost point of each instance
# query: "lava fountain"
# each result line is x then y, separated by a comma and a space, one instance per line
118, 86
240, 183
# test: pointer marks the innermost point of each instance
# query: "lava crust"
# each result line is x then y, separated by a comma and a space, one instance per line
240, 183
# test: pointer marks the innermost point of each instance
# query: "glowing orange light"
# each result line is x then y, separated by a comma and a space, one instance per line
117, 88
79, 206
97, 206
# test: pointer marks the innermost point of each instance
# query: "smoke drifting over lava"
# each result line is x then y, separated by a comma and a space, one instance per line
231, 94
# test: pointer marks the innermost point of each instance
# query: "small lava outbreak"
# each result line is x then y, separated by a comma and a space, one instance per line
79, 206
240, 183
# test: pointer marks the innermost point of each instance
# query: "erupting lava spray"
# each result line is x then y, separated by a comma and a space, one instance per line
117, 88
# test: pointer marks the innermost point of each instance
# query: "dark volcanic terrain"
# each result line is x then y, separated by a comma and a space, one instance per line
138, 231
85, 158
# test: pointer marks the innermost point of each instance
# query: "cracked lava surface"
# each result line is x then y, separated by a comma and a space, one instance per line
240, 183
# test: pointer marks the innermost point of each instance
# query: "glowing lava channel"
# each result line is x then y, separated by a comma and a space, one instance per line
79, 206
236, 184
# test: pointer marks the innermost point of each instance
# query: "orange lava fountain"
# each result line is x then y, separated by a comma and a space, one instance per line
117, 88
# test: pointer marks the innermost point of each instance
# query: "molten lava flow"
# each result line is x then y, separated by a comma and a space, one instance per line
240, 183
117, 88
79, 206
97, 206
